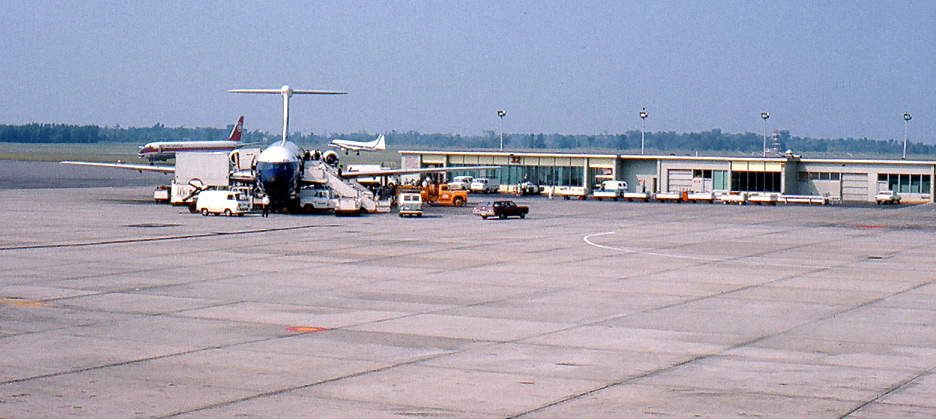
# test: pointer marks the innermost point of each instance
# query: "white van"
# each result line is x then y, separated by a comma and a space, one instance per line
222, 202
485, 185
411, 204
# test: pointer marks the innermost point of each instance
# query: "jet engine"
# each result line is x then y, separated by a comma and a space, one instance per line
330, 158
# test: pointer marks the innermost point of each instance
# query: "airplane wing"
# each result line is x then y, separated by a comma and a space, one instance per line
240, 175
138, 167
390, 172
244, 176
336, 144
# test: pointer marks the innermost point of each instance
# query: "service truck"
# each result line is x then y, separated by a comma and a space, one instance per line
438, 194
316, 199
611, 189
227, 202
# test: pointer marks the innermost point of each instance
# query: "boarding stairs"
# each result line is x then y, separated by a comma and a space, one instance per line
321, 173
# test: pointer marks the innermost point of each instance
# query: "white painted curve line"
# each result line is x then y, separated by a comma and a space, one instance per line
588, 241
591, 243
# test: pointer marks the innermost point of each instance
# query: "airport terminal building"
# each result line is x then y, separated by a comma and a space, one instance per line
845, 179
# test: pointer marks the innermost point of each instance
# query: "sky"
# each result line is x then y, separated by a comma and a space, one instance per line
834, 69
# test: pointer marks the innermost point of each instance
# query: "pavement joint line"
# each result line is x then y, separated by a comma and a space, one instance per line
164, 238
741, 345
101, 367
738, 259
890, 390
309, 385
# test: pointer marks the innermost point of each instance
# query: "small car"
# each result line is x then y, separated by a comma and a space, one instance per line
887, 197
500, 209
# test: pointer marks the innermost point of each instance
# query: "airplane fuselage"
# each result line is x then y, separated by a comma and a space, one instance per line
165, 150
279, 168
358, 146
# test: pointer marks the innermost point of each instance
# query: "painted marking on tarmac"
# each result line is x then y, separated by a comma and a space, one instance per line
306, 329
23, 303
619, 249
588, 241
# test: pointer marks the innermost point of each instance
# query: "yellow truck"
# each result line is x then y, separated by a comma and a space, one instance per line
438, 194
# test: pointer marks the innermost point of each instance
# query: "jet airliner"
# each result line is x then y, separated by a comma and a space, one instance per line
165, 150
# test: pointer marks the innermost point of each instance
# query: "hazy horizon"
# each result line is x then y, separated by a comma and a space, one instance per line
826, 70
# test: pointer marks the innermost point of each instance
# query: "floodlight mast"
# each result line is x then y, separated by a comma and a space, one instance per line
643, 128
287, 93
501, 114
907, 118
765, 115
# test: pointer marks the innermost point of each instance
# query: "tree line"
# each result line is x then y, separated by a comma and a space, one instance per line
656, 142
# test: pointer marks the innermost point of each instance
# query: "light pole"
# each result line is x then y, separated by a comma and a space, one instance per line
906, 129
765, 115
643, 128
501, 114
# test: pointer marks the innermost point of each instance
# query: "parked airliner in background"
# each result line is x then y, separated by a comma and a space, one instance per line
165, 150
357, 146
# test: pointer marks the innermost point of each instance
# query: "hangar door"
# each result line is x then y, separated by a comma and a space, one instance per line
855, 187
680, 180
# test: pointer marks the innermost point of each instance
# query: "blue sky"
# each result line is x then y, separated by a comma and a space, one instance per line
822, 69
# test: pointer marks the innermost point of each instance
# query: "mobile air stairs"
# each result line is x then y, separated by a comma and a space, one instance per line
351, 195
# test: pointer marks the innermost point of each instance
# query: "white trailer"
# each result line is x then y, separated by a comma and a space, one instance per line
568, 192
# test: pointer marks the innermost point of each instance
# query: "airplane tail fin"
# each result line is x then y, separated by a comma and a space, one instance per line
236, 132
381, 143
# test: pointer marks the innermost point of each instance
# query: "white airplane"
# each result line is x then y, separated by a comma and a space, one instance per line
279, 167
165, 150
357, 146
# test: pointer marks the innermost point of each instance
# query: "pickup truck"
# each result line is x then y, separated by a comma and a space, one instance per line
461, 183
311, 200
500, 209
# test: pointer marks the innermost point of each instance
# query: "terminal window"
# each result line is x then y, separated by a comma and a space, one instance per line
719, 178
541, 175
905, 183
804, 176
701, 173
756, 181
